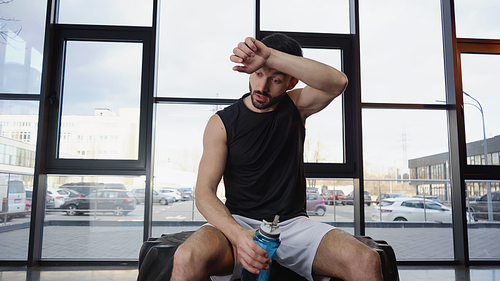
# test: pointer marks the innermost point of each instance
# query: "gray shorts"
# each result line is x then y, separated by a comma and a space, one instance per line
300, 238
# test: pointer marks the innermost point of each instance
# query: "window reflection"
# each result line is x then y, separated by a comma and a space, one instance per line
21, 46
480, 75
98, 216
101, 99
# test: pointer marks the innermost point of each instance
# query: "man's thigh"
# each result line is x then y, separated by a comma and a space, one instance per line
209, 246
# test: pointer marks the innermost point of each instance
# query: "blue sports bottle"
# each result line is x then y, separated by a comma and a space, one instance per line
268, 237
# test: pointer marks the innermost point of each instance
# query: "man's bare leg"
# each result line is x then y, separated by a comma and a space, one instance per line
205, 253
341, 255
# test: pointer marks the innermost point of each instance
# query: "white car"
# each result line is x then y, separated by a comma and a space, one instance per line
59, 196
174, 192
411, 209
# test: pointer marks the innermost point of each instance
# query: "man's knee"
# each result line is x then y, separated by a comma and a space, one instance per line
369, 260
183, 256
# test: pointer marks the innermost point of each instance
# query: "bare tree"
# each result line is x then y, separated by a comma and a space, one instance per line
7, 27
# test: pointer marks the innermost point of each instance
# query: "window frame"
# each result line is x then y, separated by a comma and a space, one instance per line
64, 33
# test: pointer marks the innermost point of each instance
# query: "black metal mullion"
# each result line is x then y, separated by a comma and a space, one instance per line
150, 121
39, 176
456, 132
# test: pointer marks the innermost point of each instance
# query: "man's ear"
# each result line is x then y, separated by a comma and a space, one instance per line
292, 84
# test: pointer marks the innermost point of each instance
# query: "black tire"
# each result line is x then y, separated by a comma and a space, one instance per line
71, 210
400, 219
320, 211
368, 204
163, 201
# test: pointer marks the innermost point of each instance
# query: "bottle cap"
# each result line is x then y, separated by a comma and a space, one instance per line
270, 229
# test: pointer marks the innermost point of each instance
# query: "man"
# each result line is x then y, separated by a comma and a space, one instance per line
257, 145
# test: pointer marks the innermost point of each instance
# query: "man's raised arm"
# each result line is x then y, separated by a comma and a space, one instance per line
324, 82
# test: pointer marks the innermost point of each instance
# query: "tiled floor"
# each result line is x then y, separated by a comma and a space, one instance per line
129, 273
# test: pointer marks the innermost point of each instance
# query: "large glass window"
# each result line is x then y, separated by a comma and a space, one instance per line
477, 19
178, 149
21, 46
401, 51
194, 49
407, 181
107, 12
331, 201
480, 80
93, 217
101, 100
483, 200
325, 16
18, 134
324, 131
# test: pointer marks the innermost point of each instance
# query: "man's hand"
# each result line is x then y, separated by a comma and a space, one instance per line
250, 254
252, 54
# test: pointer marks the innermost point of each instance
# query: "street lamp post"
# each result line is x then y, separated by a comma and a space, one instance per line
485, 146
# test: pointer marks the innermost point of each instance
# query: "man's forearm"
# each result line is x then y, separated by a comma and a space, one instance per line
314, 74
216, 213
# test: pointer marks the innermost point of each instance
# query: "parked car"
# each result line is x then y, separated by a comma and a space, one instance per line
115, 186
187, 193
49, 201
119, 202
72, 193
480, 206
429, 197
27, 209
140, 196
174, 192
59, 196
350, 198
383, 196
12, 196
84, 188
315, 204
335, 196
411, 209
473, 198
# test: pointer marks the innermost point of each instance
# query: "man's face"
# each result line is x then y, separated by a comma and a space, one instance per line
268, 87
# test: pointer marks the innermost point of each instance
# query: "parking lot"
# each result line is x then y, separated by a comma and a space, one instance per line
97, 236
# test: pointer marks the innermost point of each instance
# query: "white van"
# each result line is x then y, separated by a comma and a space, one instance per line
12, 196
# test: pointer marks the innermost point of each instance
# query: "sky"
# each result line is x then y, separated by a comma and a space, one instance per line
401, 62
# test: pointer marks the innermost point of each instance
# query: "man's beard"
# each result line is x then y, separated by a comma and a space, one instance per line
270, 102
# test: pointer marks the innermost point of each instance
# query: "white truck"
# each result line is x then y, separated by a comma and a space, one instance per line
12, 196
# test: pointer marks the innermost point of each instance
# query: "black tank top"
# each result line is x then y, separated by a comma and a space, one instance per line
264, 174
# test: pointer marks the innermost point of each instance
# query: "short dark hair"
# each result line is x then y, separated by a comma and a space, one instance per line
283, 43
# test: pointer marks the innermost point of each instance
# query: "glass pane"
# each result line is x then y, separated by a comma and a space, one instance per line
101, 100
178, 149
406, 164
332, 205
22, 29
18, 135
324, 16
198, 65
324, 133
480, 80
98, 216
483, 201
15, 195
106, 12
401, 51
477, 19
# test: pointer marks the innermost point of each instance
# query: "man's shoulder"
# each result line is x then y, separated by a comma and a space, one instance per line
231, 110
